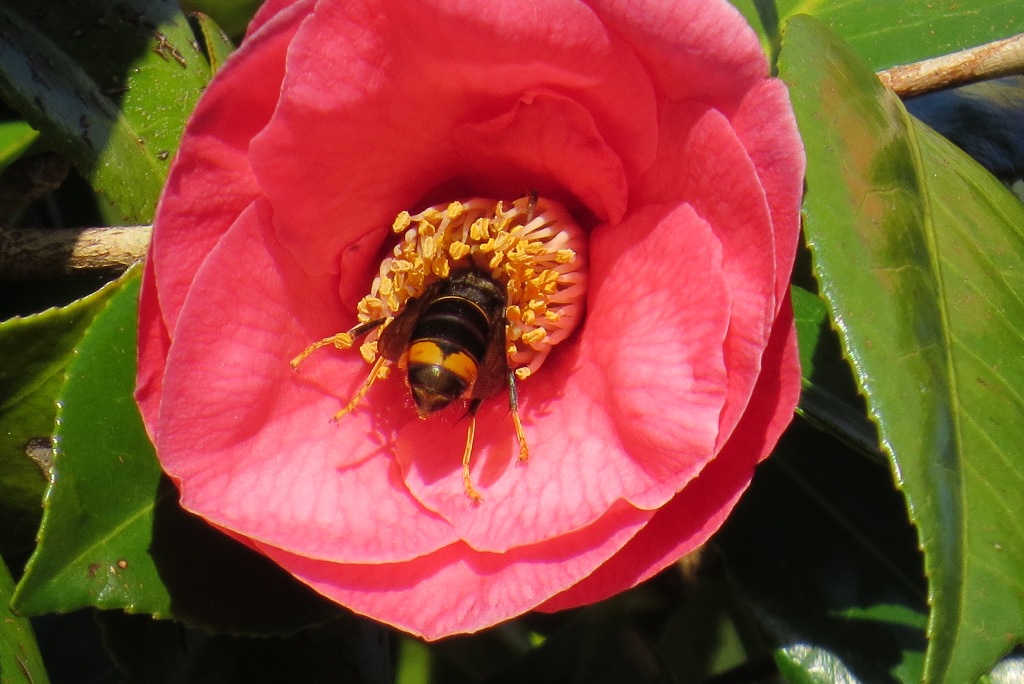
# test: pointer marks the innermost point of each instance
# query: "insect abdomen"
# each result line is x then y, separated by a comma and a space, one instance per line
445, 350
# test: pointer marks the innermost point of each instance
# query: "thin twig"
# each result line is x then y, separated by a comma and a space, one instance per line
1000, 58
47, 253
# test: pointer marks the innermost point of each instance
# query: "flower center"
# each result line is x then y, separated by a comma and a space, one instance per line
532, 247
436, 305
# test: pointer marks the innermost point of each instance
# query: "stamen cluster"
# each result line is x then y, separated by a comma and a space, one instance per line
535, 250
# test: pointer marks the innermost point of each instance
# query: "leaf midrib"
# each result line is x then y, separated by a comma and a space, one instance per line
74, 75
947, 351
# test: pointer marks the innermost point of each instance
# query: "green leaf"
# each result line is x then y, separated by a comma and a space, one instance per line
74, 564
918, 252
113, 535
1010, 670
890, 32
829, 396
232, 15
217, 46
109, 85
20, 662
15, 138
822, 551
34, 353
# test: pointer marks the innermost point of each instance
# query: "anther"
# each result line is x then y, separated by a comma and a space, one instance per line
531, 206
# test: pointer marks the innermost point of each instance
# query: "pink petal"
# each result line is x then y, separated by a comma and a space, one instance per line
210, 181
695, 50
153, 345
765, 125
628, 412
285, 11
382, 131
702, 159
657, 323
698, 511
350, 111
546, 136
457, 590
250, 442
209, 184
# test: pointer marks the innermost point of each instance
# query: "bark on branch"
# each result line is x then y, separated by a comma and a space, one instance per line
47, 253
1001, 58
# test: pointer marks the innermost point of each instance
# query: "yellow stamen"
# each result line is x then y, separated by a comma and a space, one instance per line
534, 336
530, 245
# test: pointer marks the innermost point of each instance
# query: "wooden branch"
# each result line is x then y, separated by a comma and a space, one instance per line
1000, 58
47, 253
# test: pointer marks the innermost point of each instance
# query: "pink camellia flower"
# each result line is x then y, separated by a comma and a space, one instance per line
674, 161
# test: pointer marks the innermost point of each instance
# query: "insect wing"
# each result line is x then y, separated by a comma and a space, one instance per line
494, 368
394, 339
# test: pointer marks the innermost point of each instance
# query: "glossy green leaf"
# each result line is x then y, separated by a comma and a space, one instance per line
34, 353
829, 395
918, 252
217, 46
75, 564
15, 138
232, 15
20, 662
890, 32
803, 664
109, 84
113, 535
821, 550
1010, 670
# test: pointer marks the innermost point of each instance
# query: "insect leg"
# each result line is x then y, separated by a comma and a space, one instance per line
513, 404
471, 432
341, 341
381, 361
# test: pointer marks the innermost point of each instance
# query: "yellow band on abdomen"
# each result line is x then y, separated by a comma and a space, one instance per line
428, 353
